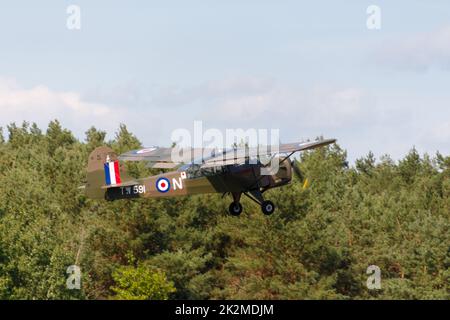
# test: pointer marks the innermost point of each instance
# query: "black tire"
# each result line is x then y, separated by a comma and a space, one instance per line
267, 207
108, 196
235, 209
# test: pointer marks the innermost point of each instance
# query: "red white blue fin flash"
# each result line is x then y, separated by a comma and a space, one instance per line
112, 173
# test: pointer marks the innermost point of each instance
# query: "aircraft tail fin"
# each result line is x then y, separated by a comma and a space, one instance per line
112, 172
103, 170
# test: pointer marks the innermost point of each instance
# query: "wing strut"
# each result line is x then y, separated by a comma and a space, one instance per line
287, 157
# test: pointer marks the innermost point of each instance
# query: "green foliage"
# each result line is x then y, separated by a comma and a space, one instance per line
141, 283
125, 140
94, 138
317, 245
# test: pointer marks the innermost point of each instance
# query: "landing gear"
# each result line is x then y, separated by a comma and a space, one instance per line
108, 196
267, 207
235, 209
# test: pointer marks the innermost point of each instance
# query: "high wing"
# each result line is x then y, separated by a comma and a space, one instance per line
239, 155
156, 157
168, 158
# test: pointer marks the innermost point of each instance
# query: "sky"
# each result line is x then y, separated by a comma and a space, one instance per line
307, 68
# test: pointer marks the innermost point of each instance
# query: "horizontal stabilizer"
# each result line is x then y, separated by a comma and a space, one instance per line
124, 184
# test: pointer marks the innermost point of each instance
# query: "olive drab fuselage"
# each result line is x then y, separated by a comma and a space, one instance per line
228, 172
188, 180
239, 178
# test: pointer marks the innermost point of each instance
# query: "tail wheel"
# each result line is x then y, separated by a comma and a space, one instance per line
108, 196
235, 208
267, 207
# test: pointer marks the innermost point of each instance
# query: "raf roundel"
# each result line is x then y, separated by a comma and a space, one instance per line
163, 185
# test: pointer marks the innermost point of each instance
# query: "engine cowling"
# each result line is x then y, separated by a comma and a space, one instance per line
284, 173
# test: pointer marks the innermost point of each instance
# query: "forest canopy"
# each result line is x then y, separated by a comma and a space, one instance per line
317, 245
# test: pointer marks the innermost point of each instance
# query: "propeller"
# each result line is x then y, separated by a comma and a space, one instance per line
297, 170
298, 173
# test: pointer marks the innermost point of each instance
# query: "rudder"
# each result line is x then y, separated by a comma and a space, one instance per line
103, 169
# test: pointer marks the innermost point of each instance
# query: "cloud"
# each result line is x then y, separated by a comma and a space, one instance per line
441, 132
130, 94
361, 119
41, 104
241, 99
250, 101
419, 52
238, 102
173, 96
244, 98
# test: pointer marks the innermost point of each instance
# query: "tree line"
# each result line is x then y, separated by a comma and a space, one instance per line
317, 245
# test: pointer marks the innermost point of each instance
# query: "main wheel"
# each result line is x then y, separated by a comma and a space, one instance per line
267, 207
235, 209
